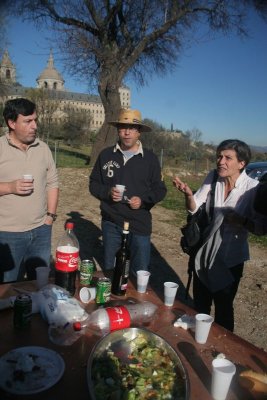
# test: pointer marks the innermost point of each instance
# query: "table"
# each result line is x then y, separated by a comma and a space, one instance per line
195, 357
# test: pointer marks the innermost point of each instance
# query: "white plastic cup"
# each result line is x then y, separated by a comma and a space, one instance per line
203, 324
170, 290
142, 280
222, 373
27, 177
87, 294
121, 188
42, 276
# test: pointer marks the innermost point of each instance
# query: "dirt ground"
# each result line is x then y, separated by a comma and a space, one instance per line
168, 262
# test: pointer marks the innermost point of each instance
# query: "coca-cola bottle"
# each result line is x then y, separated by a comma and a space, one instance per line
67, 259
122, 265
104, 320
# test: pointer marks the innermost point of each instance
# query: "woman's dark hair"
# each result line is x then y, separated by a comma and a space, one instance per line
18, 106
242, 150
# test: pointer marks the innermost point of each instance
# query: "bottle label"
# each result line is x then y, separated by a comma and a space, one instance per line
67, 258
119, 317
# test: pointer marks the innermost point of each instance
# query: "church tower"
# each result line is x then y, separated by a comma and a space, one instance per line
7, 70
50, 78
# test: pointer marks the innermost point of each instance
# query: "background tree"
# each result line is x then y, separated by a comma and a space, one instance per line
46, 108
4, 4
76, 128
105, 40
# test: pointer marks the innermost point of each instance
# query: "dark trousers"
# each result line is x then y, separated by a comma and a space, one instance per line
223, 299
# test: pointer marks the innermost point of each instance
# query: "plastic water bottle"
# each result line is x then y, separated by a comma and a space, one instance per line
67, 260
102, 321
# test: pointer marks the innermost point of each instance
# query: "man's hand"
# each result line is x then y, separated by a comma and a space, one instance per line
21, 187
135, 202
115, 194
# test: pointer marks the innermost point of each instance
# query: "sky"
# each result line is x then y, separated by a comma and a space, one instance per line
218, 87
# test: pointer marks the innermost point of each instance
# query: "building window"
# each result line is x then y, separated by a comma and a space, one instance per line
55, 85
8, 74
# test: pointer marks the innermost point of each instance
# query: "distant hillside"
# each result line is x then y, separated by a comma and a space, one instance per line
260, 149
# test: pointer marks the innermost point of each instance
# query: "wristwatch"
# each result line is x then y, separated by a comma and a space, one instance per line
53, 216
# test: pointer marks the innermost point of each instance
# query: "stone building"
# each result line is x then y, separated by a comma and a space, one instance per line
52, 81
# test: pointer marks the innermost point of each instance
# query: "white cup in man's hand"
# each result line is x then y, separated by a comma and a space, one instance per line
121, 189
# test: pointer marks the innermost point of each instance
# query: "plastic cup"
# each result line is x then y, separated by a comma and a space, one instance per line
142, 280
42, 275
27, 177
121, 188
170, 290
203, 324
87, 294
222, 373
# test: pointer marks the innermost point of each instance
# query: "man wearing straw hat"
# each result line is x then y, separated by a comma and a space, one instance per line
138, 169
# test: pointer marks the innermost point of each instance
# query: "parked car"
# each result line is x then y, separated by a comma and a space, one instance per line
257, 170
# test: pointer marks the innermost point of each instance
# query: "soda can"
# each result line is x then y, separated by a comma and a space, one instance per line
103, 290
86, 272
22, 311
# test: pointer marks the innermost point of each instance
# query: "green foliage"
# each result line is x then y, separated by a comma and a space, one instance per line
174, 200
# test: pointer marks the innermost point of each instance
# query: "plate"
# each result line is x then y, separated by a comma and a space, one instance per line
121, 344
30, 369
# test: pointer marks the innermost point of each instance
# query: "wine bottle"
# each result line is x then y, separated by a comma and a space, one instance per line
122, 265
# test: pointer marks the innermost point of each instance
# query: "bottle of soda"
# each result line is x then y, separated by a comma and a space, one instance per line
122, 265
67, 259
103, 321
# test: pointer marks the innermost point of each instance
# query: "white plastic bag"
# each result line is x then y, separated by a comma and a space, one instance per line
57, 307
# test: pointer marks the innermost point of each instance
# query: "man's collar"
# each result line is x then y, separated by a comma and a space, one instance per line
140, 150
11, 143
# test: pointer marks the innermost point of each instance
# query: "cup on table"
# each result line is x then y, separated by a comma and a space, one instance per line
170, 290
203, 324
121, 189
142, 280
42, 276
87, 294
222, 373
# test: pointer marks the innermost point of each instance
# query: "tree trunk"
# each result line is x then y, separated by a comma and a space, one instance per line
109, 93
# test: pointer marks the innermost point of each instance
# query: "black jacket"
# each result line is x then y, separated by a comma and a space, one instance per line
142, 177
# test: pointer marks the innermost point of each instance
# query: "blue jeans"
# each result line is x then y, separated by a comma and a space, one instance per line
139, 246
22, 252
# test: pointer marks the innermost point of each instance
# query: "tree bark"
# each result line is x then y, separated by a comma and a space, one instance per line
108, 88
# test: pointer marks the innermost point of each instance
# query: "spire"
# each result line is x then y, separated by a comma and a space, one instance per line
50, 62
7, 69
50, 78
6, 61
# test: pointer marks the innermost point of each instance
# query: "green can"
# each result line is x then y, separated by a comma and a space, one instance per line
103, 290
86, 272
22, 311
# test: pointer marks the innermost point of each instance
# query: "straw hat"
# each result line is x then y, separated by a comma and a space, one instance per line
132, 117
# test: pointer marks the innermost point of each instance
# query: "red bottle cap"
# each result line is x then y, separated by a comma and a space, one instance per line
77, 326
69, 225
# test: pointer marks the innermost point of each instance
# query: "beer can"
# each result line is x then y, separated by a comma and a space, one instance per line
103, 290
86, 272
22, 311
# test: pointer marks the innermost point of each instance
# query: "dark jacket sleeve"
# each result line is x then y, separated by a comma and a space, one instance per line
157, 190
97, 186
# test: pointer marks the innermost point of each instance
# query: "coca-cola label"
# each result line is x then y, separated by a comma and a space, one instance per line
67, 258
119, 317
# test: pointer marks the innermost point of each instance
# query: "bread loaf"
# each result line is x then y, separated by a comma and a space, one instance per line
254, 381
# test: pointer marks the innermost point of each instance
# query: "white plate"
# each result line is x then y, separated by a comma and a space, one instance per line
48, 368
